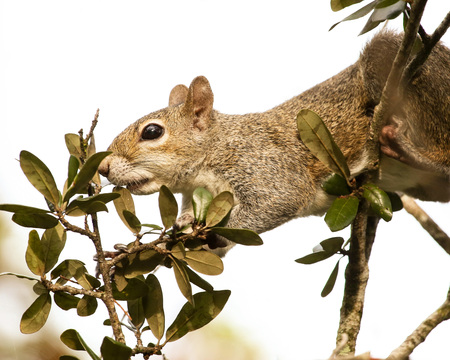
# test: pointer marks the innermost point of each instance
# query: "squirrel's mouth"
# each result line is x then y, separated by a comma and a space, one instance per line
136, 185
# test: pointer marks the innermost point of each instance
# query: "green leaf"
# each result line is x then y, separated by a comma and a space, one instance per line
53, 242
125, 202
39, 176
21, 209
207, 306
39, 289
34, 255
326, 249
153, 306
204, 262
195, 279
136, 312
89, 203
337, 5
65, 301
87, 306
73, 144
76, 269
341, 213
384, 13
168, 207
142, 263
331, 281
68, 357
358, 14
179, 269
135, 289
239, 236
114, 350
178, 250
131, 221
41, 221
74, 341
314, 257
320, 142
36, 315
220, 207
379, 201
201, 199
19, 276
335, 184
85, 175
332, 245
74, 165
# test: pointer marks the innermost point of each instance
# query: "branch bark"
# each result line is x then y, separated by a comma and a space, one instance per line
423, 330
363, 227
356, 278
427, 223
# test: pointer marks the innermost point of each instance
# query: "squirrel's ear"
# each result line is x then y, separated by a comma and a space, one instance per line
178, 95
199, 102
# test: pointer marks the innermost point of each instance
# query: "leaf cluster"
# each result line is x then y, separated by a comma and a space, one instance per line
381, 10
316, 136
70, 286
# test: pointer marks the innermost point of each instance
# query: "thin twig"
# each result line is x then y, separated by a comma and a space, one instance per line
423, 330
427, 222
428, 44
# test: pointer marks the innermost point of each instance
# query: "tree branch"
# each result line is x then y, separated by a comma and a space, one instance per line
427, 223
428, 44
420, 334
390, 93
356, 278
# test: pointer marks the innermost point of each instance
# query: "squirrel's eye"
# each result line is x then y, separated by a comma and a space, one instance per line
152, 132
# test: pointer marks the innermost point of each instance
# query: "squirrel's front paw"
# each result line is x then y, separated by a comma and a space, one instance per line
183, 221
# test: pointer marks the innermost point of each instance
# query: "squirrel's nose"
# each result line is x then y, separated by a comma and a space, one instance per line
103, 168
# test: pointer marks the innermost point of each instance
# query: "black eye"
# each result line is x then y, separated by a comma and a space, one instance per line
152, 132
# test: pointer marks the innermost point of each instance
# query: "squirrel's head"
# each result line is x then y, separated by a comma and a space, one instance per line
163, 147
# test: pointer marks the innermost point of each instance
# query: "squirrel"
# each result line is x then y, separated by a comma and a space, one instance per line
260, 158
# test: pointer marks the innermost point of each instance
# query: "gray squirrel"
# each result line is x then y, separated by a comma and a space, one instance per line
260, 158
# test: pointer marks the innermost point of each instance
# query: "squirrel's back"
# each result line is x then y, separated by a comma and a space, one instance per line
260, 158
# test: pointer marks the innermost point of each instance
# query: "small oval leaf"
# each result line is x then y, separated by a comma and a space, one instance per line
168, 207
316, 136
179, 269
85, 175
41, 221
65, 301
74, 165
114, 350
335, 184
39, 176
239, 236
34, 254
21, 209
204, 262
331, 281
124, 202
201, 200
74, 341
35, 317
207, 306
53, 242
379, 201
220, 207
153, 306
87, 306
341, 213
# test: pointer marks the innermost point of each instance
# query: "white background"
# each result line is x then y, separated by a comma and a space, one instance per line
61, 60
